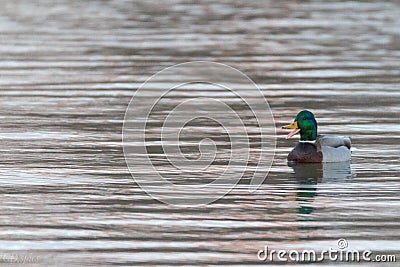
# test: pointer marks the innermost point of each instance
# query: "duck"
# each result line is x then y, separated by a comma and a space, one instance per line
314, 148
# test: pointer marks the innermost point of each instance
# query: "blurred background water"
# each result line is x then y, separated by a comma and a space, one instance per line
68, 70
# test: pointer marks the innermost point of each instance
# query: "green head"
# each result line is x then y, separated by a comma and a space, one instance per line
304, 123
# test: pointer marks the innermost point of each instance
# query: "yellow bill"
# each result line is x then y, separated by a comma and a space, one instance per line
293, 126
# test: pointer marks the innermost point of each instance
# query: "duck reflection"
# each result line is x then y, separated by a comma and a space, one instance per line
308, 175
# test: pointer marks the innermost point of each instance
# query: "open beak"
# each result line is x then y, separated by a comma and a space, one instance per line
293, 126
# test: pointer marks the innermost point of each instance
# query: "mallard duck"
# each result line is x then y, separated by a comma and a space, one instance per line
313, 147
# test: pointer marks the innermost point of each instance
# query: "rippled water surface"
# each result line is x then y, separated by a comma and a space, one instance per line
68, 70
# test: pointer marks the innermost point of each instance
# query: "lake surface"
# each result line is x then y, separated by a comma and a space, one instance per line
68, 70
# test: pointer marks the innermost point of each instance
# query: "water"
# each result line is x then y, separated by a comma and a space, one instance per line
69, 69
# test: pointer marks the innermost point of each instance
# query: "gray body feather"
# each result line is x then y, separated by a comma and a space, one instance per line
334, 148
